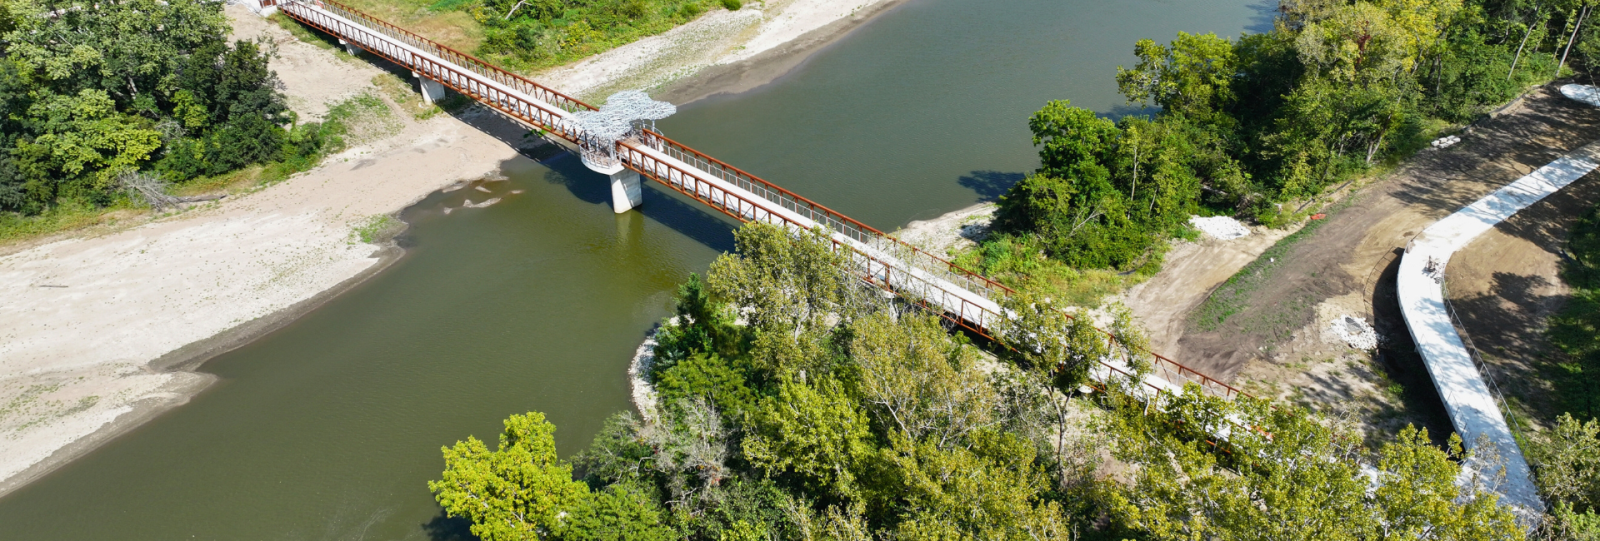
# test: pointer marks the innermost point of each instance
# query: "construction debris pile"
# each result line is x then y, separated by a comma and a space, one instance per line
1356, 332
1219, 227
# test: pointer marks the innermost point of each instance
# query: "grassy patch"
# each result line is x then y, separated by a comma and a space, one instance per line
1575, 330
1234, 295
1019, 263
374, 229
405, 96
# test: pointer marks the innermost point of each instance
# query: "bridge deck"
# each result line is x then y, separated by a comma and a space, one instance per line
960, 295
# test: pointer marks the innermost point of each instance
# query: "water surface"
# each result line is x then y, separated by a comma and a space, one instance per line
330, 428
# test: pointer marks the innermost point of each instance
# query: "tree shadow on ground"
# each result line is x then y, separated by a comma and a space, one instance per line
1547, 223
989, 185
1484, 160
1511, 338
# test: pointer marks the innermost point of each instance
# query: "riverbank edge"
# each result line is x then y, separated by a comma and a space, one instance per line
771, 65
184, 363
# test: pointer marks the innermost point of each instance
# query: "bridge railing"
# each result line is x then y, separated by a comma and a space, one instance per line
482, 69
878, 266
839, 223
917, 283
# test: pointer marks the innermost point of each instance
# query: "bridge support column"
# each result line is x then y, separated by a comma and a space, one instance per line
625, 190
350, 47
431, 90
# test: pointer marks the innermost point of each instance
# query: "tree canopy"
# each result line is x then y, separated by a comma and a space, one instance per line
886, 426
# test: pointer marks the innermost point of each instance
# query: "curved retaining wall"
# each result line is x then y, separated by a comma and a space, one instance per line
1473, 410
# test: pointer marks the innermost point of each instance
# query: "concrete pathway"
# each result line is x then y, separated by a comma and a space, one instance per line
1473, 410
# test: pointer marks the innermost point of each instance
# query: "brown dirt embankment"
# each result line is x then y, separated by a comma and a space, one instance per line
1275, 345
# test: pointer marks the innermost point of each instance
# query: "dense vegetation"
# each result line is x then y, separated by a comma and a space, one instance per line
830, 413
1256, 127
532, 33
1567, 458
93, 92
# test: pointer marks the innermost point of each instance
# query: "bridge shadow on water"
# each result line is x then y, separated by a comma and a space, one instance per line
690, 218
661, 205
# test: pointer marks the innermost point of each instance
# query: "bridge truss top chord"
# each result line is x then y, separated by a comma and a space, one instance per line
964, 297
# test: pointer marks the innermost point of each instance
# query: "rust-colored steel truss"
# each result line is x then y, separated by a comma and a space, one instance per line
686, 171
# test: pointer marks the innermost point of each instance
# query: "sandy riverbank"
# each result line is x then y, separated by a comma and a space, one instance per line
103, 331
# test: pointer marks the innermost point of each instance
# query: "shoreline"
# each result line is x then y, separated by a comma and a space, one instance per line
176, 368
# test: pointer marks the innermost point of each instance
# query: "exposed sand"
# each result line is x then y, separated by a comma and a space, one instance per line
101, 331
726, 51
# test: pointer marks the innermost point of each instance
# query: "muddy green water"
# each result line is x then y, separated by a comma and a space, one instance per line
329, 429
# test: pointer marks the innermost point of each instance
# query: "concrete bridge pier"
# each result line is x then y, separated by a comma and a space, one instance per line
625, 190
431, 90
350, 47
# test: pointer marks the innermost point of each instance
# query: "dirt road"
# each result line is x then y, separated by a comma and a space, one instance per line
1274, 342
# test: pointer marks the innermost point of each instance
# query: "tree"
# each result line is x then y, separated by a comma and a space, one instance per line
519, 491
813, 435
82, 137
1282, 472
918, 381
1569, 463
989, 491
1192, 77
792, 288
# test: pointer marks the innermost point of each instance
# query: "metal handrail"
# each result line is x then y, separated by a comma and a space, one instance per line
1476, 356
951, 306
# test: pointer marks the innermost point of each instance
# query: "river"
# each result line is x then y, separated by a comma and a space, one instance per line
330, 428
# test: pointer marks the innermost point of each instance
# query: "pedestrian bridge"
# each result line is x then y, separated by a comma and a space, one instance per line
636, 150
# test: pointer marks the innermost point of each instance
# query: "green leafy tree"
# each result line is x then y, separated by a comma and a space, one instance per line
1282, 472
814, 435
918, 381
792, 288
991, 491
1193, 76
517, 492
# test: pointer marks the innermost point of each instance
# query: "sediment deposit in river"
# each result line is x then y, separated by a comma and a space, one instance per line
102, 331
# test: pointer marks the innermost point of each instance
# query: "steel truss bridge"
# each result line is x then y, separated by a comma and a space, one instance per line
961, 296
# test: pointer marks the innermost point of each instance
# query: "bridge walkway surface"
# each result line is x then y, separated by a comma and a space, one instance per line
1473, 408
964, 297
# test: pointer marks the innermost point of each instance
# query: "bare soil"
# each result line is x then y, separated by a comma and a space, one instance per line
1507, 283
1276, 345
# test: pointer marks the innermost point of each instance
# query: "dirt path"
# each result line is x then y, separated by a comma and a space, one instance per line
1275, 343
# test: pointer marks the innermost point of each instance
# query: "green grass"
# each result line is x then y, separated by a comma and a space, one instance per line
373, 229
1019, 263
1575, 330
1234, 295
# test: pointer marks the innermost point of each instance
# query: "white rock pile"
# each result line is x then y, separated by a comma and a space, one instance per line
1219, 227
1446, 142
1356, 332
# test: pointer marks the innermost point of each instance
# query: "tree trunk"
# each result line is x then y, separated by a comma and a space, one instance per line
1575, 28
1524, 43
